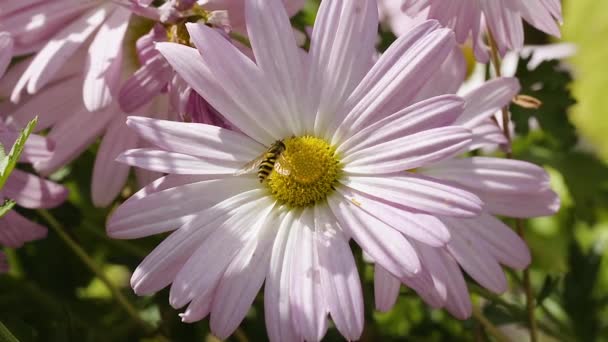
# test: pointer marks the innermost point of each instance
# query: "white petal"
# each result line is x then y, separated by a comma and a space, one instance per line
161, 266
308, 307
424, 228
409, 152
102, 71
189, 64
339, 276
216, 252
419, 193
109, 176
277, 310
476, 260
278, 57
386, 289
400, 73
178, 163
383, 243
168, 209
242, 281
342, 47
197, 139
433, 113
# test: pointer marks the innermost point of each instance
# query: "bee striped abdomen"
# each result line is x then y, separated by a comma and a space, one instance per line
270, 158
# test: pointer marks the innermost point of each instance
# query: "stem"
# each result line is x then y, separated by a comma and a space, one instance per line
519, 224
6, 335
489, 326
90, 263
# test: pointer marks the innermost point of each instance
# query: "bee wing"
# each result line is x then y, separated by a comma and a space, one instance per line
282, 166
251, 166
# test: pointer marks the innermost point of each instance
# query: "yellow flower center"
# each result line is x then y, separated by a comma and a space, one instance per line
311, 170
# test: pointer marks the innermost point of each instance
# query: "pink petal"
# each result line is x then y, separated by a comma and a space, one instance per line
241, 282
383, 243
459, 301
386, 289
216, 252
247, 85
36, 148
400, 73
188, 63
488, 99
542, 203
6, 51
102, 70
169, 208
64, 44
477, 261
489, 174
177, 163
421, 227
33, 192
109, 177
500, 240
72, 136
147, 82
50, 105
409, 152
339, 276
15, 230
308, 307
342, 46
277, 311
427, 195
197, 139
161, 266
278, 57
432, 113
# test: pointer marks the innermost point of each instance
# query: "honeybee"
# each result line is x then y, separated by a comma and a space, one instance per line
273, 158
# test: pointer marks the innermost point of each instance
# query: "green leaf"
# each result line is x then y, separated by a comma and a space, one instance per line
579, 284
8, 163
6, 207
549, 286
6, 335
550, 84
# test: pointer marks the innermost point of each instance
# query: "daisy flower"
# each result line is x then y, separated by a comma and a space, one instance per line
63, 114
28, 191
480, 245
469, 18
342, 136
58, 30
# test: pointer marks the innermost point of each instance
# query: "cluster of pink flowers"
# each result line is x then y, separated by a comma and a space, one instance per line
370, 149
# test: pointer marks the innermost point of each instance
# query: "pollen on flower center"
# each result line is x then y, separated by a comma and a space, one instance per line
312, 169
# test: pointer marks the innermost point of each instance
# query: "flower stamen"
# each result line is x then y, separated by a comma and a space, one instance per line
314, 169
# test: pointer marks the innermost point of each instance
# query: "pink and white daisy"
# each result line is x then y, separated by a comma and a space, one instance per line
58, 30
471, 18
75, 128
349, 133
28, 191
478, 245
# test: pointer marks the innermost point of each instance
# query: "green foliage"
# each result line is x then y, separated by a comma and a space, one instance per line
6, 207
8, 162
550, 84
6, 335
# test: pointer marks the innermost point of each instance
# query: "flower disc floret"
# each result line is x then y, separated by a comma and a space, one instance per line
313, 170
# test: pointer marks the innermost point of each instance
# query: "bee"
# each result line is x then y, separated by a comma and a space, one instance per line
272, 158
